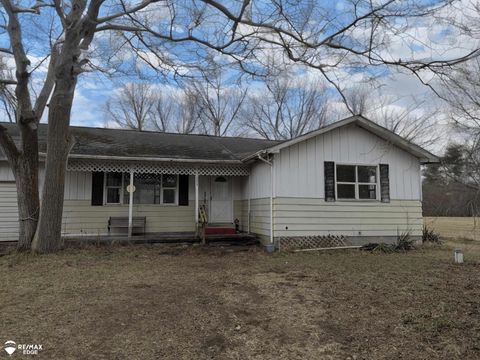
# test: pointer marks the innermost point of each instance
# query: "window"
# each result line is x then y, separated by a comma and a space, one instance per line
169, 189
356, 182
113, 187
149, 188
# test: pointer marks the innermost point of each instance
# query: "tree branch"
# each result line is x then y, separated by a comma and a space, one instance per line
8, 145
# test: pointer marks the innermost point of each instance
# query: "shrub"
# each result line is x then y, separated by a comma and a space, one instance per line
405, 242
429, 235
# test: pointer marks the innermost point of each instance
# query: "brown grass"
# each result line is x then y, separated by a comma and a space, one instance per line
455, 227
158, 302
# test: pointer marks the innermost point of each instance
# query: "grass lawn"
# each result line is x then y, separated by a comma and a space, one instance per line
158, 302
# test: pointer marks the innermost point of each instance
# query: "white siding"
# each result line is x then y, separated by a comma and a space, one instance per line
78, 185
8, 211
299, 168
259, 216
307, 216
79, 217
259, 185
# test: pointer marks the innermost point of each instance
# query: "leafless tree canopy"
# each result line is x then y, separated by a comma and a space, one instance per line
219, 103
286, 108
414, 121
133, 106
461, 89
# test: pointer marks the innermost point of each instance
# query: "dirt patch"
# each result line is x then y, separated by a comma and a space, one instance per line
151, 302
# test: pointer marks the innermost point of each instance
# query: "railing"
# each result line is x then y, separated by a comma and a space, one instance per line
202, 221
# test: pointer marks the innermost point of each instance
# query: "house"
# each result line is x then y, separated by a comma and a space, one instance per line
352, 178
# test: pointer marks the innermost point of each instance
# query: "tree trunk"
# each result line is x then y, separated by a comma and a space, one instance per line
26, 179
26, 176
24, 164
48, 236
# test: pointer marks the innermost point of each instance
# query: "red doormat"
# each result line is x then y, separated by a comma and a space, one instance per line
219, 231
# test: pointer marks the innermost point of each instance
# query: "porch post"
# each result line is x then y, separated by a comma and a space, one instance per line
130, 205
196, 200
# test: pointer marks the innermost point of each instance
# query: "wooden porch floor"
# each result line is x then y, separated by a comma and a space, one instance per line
242, 239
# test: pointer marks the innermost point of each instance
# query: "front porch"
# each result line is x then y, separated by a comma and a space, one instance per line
167, 195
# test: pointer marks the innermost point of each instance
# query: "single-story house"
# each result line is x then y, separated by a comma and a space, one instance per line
352, 178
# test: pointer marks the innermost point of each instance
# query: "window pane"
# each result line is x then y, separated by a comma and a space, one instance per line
169, 180
114, 179
169, 196
367, 191
147, 189
113, 195
345, 173
367, 174
346, 191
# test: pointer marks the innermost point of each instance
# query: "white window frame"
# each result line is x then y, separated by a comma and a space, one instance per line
122, 190
176, 192
105, 189
357, 183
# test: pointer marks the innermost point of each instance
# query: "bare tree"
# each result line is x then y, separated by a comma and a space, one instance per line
305, 32
219, 103
287, 108
7, 96
165, 111
142, 106
177, 110
461, 90
189, 112
412, 120
132, 106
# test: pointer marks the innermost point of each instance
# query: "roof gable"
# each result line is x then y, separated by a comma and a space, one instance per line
423, 155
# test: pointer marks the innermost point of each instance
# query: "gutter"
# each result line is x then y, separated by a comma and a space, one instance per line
139, 158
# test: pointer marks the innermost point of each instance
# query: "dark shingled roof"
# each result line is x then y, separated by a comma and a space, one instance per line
149, 144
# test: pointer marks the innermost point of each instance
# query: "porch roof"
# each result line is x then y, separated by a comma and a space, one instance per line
119, 145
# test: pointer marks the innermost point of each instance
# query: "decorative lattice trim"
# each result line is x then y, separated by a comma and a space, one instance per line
158, 168
310, 242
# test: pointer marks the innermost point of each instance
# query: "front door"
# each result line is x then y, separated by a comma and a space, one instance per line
221, 209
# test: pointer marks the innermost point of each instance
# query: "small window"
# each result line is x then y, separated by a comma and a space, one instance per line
169, 189
220, 179
113, 185
356, 182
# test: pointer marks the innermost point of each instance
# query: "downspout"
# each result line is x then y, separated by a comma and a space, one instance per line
249, 198
272, 192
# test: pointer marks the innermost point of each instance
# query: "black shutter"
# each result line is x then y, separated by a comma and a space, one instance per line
329, 167
183, 190
384, 183
97, 188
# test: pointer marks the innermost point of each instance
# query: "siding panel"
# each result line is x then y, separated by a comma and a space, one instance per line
308, 216
8, 212
299, 168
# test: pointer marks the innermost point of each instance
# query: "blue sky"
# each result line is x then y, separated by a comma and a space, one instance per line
423, 38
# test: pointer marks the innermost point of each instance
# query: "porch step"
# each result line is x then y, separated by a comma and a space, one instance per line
216, 230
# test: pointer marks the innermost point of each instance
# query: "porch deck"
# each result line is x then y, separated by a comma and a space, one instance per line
240, 239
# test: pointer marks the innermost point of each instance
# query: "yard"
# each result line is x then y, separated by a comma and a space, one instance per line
160, 302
